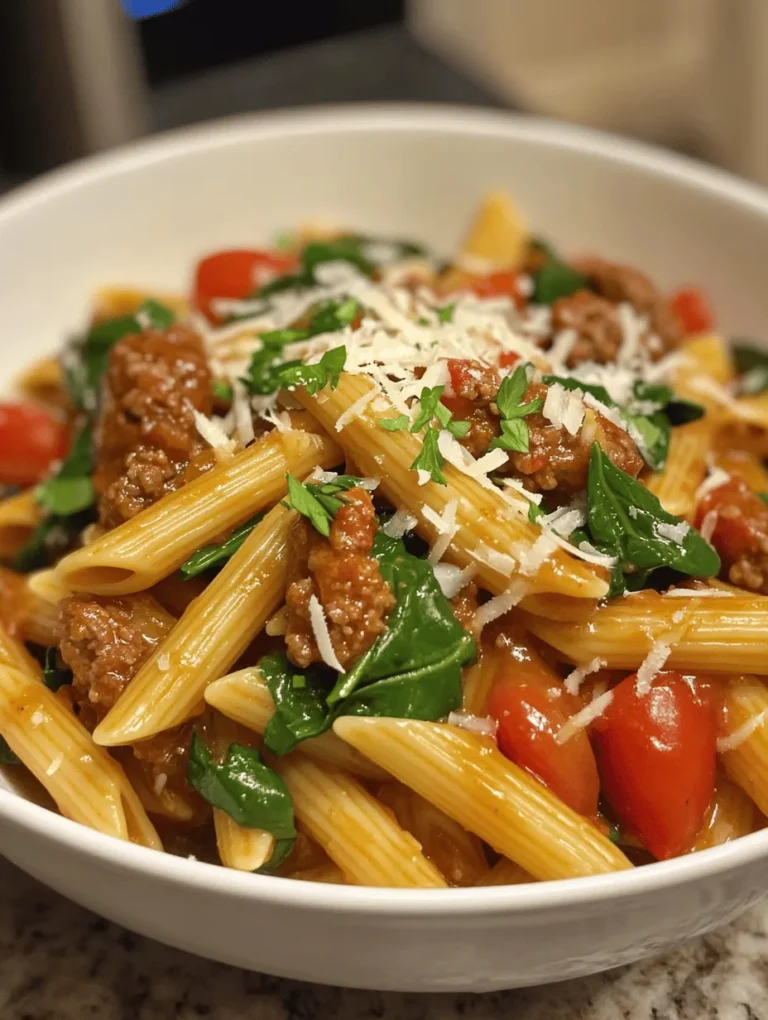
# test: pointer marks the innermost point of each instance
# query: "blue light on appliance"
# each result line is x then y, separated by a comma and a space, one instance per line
148, 8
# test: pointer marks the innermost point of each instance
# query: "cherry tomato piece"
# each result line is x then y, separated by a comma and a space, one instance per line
236, 274
692, 310
30, 441
503, 284
656, 753
528, 719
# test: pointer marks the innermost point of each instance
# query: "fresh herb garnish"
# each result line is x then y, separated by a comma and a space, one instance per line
55, 676
222, 390
217, 554
245, 788
429, 458
445, 314
395, 424
627, 521
556, 280
412, 671
514, 429
70, 490
354, 248
315, 377
319, 503
267, 371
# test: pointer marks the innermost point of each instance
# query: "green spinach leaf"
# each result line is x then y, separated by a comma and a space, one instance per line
71, 489
556, 280
217, 554
55, 676
244, 787
627, 521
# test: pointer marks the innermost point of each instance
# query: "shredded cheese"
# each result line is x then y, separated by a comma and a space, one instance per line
744, 732
576, 677
714, 480
55, 765
564, 408
484, 725
582, 719
322, 634
400, 522
452, 579
674, 532
356, 409
446, 527
650, 666
500, 604
212, 432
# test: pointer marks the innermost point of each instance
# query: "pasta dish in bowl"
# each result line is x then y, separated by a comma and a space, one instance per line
360, 566
359, 541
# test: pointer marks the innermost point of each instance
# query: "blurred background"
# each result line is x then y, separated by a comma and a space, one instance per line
78, 76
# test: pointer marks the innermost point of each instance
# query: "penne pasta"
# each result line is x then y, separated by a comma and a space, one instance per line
498, 234
689, 451
39, 620
163, 802
211, 635
354, 829
506, 872
489, 529
150, 546
113, 302
721, 635
746, 710
44, 383
239, 847
19, 516
86, 783
457, 854
467, 778
731, 814
244, 697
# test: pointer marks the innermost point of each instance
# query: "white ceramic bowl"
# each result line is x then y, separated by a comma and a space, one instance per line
142, 216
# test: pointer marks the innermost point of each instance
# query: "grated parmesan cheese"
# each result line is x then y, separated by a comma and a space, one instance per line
674, 532
446, 527
241, 409
650, 666
485, 725
697, 593
576, 677
423, 476
744, 732
452, 579
356, 409
582, 719
708, 524
564, 408
214, 435
500, 605
160, 783
55, 765
322, 634
400, 522
38, 718
164, 662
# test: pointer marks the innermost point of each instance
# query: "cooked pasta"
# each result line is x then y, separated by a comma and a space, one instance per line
359, 566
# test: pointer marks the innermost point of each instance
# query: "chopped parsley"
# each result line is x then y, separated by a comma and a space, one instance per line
515, 436
318, 503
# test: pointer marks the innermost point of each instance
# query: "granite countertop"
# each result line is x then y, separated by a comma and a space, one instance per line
60, 962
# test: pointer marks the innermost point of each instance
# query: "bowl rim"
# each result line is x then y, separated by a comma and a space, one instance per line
436, 904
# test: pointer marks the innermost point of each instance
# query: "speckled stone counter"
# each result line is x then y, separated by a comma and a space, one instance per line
59, 962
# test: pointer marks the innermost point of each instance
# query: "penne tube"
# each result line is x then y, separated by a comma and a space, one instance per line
689, 450
239, 847
746, 711
706, 367
44, 382
14, 655
560, 607
212, 634
39, 620
150, 546
456, 853
489, 528
727, 634
498, 234
471, 781
19, 516
506, 872
244, 697
87, 784
354, 829
731, 814
44, 584
329, 874
168, 803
